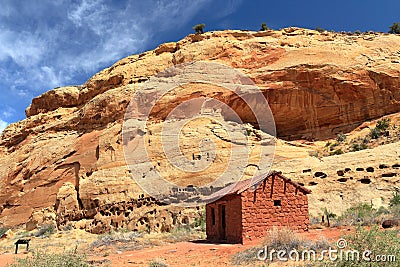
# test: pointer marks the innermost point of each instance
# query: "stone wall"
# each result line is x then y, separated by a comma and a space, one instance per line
260, 214
233, 218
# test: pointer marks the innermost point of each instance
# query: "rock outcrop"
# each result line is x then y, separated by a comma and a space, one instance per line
66, 158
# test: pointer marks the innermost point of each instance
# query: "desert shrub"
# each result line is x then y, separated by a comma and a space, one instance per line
357, 32
283, 238
315, 220
200, 222
381, 211
341, 138
68, 227
356, 147
383, 124
394, 205
319, 29
313, 153
328, 144
45, 230
395, 200
182, 233
278, 239
332, 146
111, 238
395, 28
264, 27
361, 214
375, 133
336, 152
3, 230
318, 245
365, 141
157, 263
363, 146
245, 257
377, 242
199, 28
46, 259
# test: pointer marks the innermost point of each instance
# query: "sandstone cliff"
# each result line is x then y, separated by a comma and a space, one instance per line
65, 161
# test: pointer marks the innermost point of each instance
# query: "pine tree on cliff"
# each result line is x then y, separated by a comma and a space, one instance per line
199, 28
395, 28
264, 27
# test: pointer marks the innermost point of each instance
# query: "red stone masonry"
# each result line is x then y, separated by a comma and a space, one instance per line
244, 214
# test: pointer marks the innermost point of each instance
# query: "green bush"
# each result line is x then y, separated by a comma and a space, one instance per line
395, 28
375, 133
363, 214
395, 200
283, 238
337, 152
319, 29
46, 259
377, 242
358, 147
383, 124
199, 28
201, 221
332, 146
158, 263
245, 257
328, 144
264, 27
45, 230
111, 238
3, 230
278, 239
341, 138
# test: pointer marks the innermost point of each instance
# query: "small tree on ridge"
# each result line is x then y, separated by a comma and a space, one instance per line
199, 28
264, 27
395, 28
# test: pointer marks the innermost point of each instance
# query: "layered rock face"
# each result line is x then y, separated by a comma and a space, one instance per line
65, 161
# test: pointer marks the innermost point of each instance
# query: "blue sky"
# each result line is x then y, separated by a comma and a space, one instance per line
50, 43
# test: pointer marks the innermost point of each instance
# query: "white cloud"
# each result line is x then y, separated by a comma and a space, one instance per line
7, 112
3, 125
83, 37
24, 48
46, 43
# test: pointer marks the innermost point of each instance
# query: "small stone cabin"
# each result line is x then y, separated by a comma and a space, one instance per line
248, 209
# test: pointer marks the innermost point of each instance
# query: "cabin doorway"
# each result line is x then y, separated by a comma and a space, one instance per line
222, 222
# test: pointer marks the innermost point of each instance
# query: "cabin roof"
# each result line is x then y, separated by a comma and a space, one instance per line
241, 186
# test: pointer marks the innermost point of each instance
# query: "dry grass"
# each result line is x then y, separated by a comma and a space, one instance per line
158, 263
278, 239
58, 242
43, 258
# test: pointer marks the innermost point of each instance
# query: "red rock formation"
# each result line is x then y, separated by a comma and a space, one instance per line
317, 85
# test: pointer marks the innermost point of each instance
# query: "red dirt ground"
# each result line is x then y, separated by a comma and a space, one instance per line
189, 253
201, 254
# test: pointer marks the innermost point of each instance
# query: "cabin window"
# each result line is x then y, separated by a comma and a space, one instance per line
212, 216
277, 203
